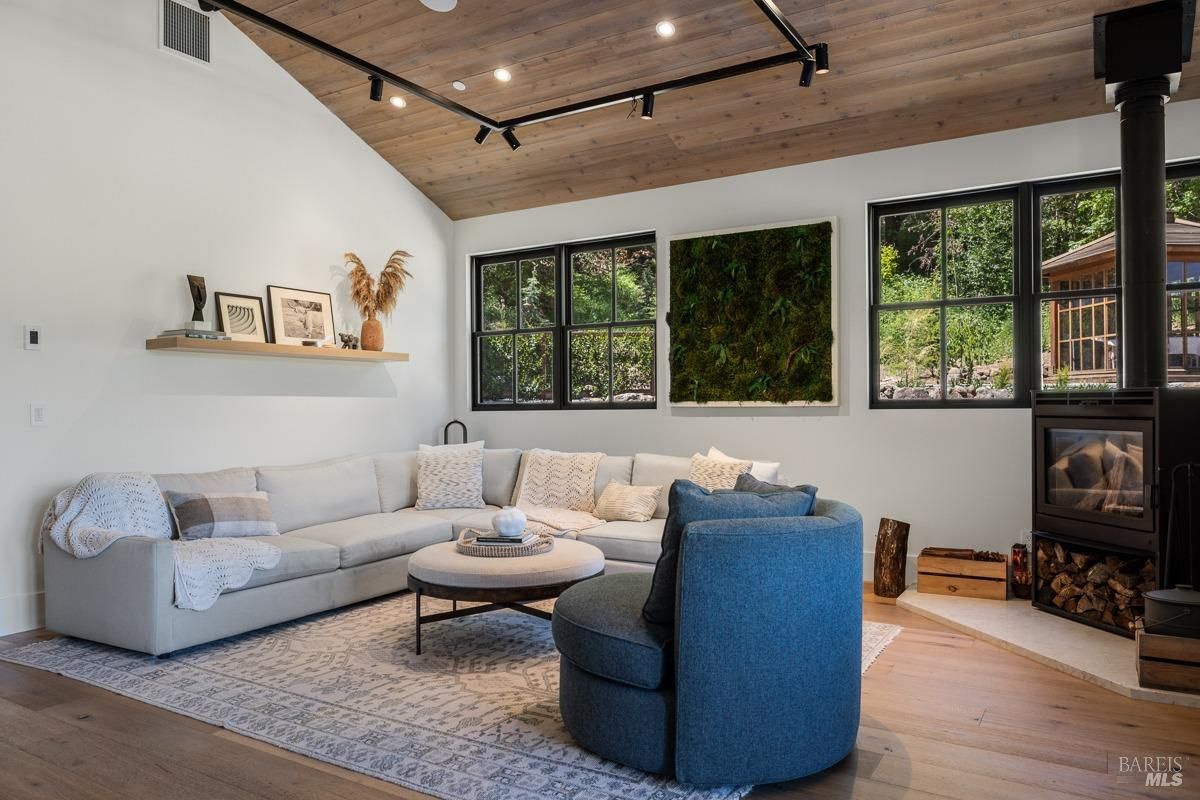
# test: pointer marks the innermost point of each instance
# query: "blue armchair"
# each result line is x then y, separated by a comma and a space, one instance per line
757, 682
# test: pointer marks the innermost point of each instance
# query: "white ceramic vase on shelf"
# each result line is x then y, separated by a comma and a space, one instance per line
509, 521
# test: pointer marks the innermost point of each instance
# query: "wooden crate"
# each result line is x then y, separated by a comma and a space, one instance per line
1168, 662
964, 577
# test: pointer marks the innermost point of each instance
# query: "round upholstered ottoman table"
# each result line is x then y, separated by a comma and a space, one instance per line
441, 571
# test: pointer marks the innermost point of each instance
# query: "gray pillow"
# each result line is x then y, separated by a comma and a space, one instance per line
216, 516
748, 483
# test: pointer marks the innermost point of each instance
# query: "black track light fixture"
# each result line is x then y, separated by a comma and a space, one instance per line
648, 105
510, 136
484, 132
806, 73
822, 58
376, 89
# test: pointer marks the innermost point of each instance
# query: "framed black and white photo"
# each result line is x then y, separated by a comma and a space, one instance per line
299, 316
241, 317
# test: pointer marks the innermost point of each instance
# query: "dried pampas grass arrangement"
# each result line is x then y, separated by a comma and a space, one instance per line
370, 297
377, 297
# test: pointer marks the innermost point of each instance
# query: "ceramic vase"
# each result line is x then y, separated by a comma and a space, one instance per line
509, 521
372, 334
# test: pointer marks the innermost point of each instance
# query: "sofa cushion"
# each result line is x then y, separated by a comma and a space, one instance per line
650, 469
454, 514
640, 542
298, 558
226, 481
396, 475
374, 537
313, 494
598, 626
500, 469
613, 468
691, 503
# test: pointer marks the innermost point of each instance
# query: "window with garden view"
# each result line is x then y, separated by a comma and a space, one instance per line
571, 326
945, 299
984, 296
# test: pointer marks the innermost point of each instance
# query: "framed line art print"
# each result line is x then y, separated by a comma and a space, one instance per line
299, 316
241, 317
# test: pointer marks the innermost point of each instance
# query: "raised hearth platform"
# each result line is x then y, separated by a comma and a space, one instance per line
1095, 656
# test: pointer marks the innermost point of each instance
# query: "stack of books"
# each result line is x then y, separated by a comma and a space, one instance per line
493, 538
188, 333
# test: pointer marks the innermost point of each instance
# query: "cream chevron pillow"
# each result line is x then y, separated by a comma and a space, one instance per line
622, 502
716, 473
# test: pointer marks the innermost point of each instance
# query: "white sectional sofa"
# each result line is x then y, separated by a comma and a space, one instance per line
348, 528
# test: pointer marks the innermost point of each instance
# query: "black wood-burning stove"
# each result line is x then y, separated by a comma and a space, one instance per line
1101, 465
1100, 459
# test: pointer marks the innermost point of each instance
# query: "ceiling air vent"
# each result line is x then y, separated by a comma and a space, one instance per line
184, 31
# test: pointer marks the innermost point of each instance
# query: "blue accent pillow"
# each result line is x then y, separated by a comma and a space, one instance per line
689, 503
748, 483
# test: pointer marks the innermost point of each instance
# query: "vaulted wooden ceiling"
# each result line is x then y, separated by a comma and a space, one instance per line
904, 72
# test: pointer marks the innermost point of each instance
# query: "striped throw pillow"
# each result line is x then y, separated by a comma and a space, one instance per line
622, 502
216, 516
449, 478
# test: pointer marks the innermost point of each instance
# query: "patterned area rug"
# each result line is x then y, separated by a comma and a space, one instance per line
473, 718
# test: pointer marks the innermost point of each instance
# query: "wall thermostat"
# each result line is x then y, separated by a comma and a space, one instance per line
33, 337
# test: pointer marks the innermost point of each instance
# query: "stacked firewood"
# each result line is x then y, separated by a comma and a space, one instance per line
1102, 588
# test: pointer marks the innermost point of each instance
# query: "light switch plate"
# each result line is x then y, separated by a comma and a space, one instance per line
39, 414
33, 337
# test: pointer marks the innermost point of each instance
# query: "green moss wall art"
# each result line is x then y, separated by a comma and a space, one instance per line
752, 316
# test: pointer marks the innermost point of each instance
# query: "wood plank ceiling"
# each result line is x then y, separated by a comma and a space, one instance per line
904, 72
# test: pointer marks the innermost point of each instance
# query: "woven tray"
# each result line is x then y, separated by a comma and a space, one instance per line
466, 545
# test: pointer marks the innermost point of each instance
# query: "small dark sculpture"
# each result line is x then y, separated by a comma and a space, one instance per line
199, 297
349, 341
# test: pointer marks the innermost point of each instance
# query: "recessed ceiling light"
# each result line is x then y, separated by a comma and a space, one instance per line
503, 75
665, 29
459, 86
440, 5
398, 101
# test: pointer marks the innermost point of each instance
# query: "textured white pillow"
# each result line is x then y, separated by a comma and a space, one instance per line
622, 502
449, 478
763, 470
716, 473
449, 447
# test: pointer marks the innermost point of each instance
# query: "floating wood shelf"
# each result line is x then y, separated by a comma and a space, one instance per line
182, 344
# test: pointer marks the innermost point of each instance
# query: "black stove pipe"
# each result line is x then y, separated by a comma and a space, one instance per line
1144, 231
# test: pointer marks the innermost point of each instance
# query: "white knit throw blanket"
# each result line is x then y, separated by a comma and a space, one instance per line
102, 508
559, 489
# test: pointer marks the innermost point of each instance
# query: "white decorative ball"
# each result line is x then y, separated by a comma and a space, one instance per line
509, 521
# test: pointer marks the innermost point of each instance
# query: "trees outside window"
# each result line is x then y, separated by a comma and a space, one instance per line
571, 326
983, 296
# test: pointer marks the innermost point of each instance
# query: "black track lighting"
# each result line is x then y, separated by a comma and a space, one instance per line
807, 72
648, 105
822, 58
814, 59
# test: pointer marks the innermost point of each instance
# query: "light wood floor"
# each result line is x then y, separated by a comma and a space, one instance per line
944, 716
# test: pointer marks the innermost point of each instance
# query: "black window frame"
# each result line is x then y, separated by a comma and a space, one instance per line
1027, 352
1018, 195
1189, 170
563, 324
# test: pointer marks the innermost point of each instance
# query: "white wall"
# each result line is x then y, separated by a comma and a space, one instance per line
961, 477
121, 169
